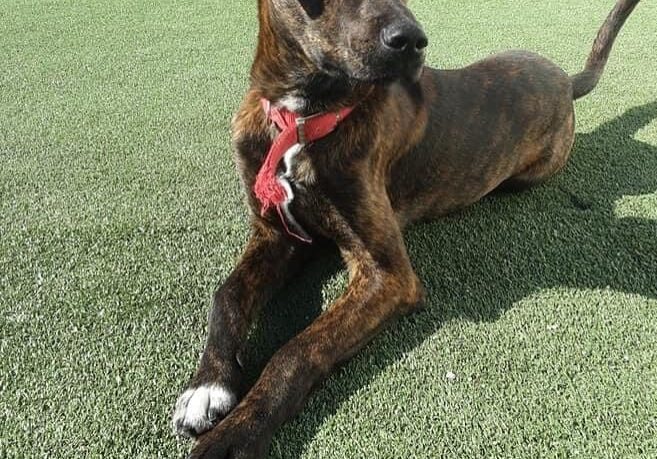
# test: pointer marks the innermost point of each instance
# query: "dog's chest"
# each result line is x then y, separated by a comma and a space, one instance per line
297, 167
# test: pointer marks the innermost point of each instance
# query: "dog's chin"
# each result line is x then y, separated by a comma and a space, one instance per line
415, 75
377, 71
386, 74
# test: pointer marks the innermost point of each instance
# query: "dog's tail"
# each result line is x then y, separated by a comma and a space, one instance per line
585, 81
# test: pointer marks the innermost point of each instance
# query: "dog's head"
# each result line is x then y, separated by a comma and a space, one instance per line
366, 40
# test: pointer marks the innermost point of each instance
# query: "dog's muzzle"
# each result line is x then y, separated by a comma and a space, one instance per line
403, 43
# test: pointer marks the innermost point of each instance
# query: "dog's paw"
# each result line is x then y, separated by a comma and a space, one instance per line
200, 408
242, 434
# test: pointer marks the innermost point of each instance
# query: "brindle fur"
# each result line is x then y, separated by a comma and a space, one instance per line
415, 147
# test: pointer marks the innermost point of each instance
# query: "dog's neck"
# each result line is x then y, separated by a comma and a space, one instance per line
284, 75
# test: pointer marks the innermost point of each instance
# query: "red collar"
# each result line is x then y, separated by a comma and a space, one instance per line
294, 129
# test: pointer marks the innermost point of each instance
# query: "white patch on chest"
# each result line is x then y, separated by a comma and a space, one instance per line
297, 169
285, 180
292, 103
289, 158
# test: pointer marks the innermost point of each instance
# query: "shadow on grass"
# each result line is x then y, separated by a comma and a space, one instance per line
478, 263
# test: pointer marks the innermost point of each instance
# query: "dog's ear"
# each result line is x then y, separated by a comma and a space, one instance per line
313, 8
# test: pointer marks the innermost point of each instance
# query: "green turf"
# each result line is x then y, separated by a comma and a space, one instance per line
120, 211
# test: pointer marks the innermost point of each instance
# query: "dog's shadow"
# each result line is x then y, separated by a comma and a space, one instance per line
480, 262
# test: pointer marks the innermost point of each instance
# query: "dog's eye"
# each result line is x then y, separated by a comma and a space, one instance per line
313, 8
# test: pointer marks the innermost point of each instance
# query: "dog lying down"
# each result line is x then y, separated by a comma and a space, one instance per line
345, 137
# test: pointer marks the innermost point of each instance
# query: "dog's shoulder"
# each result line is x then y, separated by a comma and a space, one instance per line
249, 121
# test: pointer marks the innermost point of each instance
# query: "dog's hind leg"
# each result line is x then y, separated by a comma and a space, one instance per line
268, 259
553, 158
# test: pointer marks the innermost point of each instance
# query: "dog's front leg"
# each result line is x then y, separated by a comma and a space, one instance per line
382, 286
216, 386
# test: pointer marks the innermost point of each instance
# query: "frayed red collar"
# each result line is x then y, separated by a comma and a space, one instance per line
275, 191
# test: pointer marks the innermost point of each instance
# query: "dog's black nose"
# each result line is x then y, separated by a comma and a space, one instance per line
404, 36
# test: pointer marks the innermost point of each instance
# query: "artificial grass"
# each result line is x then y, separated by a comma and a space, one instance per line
120, 211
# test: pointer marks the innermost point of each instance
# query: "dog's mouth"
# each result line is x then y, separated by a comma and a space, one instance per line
391, 70
409, 71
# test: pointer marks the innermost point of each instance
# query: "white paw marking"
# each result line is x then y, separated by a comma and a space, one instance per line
199, 408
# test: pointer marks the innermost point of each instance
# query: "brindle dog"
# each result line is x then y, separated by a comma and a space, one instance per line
419, 143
